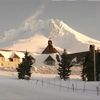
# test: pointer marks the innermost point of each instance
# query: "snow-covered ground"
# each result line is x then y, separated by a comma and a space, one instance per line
45, 87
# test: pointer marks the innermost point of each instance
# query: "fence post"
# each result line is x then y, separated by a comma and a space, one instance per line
76, 84
36, 82
73, 87
84, 86
68, 83
60, 84
47, 82
97, 90
42, 81
54, 82
31, 82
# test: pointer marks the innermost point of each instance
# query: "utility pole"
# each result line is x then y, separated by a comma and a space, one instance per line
94, 64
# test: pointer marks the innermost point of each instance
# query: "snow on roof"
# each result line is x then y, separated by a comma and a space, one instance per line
20, 54
10, 54
40, 58
74, 59
6, 54
49, 58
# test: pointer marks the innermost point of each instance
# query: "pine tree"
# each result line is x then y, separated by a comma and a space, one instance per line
88, 65
84, 70
64, 66
98, 65
88, 68
24, 68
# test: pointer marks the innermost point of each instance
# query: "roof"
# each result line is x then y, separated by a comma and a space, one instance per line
11, 54
15, 56
77, 57
6, 54
40, 58
50, 49
1, 55
49, 58
20, 54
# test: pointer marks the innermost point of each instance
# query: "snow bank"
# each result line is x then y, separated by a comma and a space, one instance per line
48, 87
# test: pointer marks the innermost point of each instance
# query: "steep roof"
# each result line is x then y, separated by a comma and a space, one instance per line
11, 54
78, 57
40, 59
6, 54
15, 56
1, 55
49, 58
50, 49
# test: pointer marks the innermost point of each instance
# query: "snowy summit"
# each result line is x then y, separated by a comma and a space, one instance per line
33, 36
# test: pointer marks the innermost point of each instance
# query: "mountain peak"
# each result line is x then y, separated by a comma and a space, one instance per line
36, 33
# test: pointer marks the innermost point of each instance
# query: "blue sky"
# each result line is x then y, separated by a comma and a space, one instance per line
83, 16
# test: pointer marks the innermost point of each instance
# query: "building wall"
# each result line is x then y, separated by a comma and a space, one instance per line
8, 63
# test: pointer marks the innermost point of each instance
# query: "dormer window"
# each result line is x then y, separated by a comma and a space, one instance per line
49, 61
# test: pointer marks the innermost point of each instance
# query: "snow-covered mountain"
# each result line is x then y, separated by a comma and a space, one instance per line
33, 36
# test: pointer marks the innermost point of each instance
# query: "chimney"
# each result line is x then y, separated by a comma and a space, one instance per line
91, 48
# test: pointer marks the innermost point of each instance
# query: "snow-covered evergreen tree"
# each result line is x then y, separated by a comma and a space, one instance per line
24, 68
64, 66
88, 65
98, 65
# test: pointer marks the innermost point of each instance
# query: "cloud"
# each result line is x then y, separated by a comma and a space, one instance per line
37, 13
13, 34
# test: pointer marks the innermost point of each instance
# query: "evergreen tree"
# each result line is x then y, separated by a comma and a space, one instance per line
98, 65
88, 68
24, 68
88, 65
64, 66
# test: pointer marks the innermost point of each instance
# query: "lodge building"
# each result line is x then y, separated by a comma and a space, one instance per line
10, 58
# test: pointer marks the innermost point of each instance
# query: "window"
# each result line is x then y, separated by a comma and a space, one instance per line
50, 63
1, 64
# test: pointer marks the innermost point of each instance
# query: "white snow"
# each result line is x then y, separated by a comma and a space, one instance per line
9, 54
40, 58
33, 36
6, 54
45, 87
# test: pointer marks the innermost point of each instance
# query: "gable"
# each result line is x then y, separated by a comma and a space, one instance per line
15, 56
50, 49
1, 55
49, 58
77, 57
